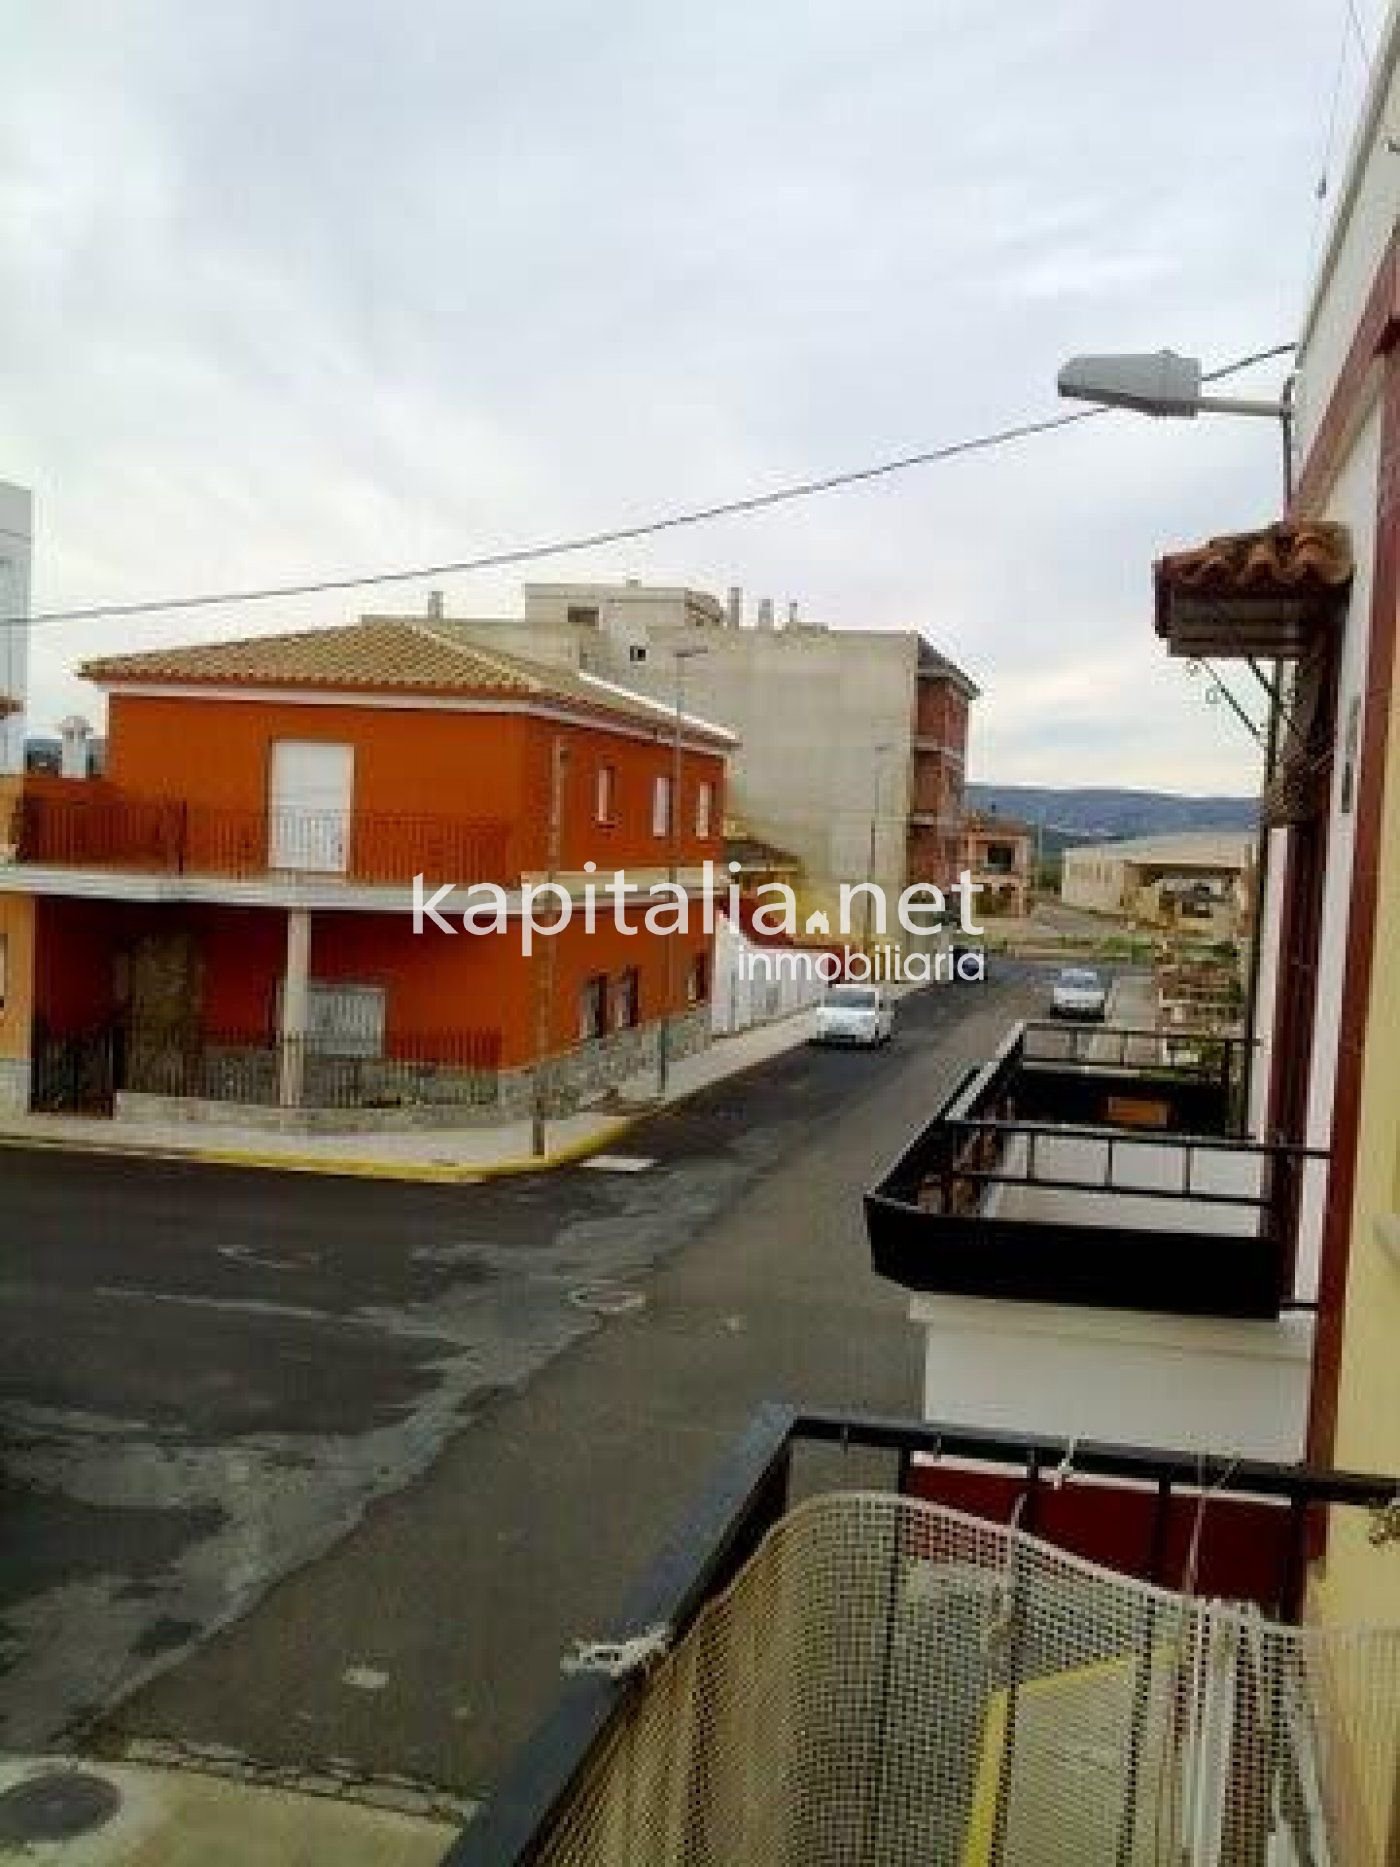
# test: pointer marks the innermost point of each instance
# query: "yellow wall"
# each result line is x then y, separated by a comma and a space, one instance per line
1358, 1582
17, 929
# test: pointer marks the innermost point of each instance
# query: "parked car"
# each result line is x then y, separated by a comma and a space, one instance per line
1078, 992
854, 1014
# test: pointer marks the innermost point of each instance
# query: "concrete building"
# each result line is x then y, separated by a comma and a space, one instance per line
852, 743
998, 853
16, 535
1200, 881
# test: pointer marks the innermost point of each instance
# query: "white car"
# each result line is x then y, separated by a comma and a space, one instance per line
1078, 993
854, 1014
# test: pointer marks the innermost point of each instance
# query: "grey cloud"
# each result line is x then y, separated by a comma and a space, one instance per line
335, 285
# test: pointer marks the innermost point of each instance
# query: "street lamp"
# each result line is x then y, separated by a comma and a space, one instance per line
683, 652
1164, 384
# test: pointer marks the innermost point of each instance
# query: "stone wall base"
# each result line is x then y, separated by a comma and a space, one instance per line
14, 1085
466, 1099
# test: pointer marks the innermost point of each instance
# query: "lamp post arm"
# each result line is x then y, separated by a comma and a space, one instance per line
1241, 405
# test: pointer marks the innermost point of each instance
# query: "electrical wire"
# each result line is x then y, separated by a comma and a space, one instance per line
621, 534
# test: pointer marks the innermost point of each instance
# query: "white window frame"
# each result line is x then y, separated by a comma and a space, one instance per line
605, 794
704, 807
662, 804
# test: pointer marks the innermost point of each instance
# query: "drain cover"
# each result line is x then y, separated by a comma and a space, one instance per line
56, 1806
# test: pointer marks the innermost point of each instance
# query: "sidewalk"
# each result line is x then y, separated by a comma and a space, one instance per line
446, 1155
100, 1814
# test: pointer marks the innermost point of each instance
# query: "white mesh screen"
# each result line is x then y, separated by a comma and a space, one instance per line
889, 1683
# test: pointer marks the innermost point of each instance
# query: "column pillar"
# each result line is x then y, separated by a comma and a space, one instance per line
292, 1035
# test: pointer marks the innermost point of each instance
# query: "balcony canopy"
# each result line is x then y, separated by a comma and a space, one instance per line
1266, 593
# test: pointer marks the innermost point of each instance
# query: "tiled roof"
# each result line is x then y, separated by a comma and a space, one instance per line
384, 656
1311, 555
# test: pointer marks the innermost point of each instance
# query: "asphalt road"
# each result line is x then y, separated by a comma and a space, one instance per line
331, 1468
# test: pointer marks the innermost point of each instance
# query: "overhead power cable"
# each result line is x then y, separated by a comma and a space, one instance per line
620, 534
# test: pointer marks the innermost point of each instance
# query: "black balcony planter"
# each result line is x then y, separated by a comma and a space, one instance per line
1099, 1266
934, 1224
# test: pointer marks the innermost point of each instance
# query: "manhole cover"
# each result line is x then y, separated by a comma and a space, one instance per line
56, 1806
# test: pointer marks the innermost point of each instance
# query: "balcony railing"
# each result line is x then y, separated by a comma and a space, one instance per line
154, 836
1096, 1168
867, 1677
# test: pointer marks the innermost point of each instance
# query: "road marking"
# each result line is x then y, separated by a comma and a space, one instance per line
618, 1163
364, 1678
606, 1299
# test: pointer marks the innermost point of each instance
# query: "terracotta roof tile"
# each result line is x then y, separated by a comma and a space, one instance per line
382, 655
1313, 554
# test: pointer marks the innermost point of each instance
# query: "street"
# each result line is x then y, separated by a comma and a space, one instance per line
316, 1468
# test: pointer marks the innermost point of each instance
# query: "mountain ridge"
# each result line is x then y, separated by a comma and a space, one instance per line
1106, 813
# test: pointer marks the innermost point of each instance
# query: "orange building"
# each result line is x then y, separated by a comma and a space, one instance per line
228, 914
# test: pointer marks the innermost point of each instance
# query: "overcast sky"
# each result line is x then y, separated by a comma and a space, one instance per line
331, 285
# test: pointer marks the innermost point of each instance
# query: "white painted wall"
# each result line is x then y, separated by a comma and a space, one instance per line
1135, 1379
738, 999
1266, 1005
1368, 204
16, 544
1353, 500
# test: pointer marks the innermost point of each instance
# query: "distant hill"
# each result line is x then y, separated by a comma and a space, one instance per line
1100, 816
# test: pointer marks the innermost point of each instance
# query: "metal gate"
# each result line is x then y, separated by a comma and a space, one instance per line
76, 1073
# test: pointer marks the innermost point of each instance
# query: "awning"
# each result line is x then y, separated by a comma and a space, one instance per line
1264, 593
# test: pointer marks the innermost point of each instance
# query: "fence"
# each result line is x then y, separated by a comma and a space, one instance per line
106, 830
868, 1680
1096, 1167
88, 1069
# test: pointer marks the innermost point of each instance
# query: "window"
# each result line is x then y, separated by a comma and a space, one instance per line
605, 795
661, 805
310, 787
636, 651
627, 1000
344, 1020
697, 984
704, 806
593, 1006
582, 615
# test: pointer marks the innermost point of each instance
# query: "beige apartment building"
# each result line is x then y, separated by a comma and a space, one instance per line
852, 743
1199, 880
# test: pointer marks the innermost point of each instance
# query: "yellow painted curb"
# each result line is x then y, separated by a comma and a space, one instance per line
345, 1167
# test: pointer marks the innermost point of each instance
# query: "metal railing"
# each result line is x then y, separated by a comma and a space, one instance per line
450, 1071
1215, 1057
749, 1492
107, 830
1090, 1120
